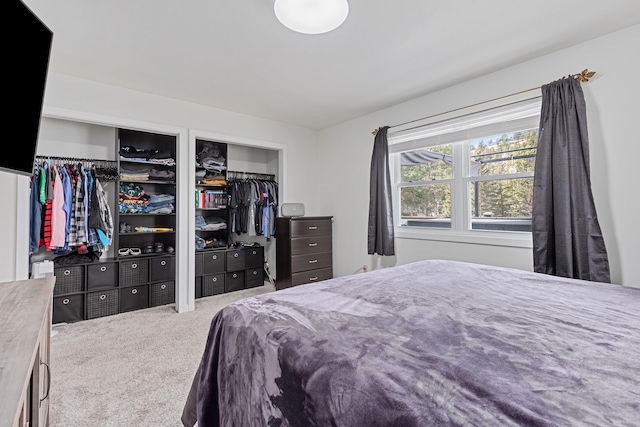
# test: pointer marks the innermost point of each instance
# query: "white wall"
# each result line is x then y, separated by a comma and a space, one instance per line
612, 98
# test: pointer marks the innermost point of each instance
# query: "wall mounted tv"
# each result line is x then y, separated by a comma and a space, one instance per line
27, 51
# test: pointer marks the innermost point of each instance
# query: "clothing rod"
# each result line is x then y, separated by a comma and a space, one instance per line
583, 76
73, 159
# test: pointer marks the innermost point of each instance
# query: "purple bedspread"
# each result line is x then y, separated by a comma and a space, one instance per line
432, 343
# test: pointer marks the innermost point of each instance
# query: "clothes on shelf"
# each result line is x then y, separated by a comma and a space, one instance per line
131, 153
69, 210
253, 206
211, 159
133, 199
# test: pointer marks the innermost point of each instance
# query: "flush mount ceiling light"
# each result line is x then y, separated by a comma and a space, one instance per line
311, 16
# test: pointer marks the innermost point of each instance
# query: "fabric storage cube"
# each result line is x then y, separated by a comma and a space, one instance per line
69, 279
134, 298
162, 293
102, 275
235, 260
234, 281
199, 263
68, 309
254, 277
199, 287
254, 257
103, 303
162, 269
133, 272
213, 262
212, 284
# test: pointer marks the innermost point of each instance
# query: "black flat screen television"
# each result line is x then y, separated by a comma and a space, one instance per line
26, 60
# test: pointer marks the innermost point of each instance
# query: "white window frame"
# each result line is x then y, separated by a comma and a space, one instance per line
506, 118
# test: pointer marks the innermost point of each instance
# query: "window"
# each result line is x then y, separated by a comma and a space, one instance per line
470, 176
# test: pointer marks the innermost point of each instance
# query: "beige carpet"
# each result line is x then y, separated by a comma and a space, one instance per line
131, 369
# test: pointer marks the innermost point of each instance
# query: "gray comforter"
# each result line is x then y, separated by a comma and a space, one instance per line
433, 343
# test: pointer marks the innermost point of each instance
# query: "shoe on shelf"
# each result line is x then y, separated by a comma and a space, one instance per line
148, 248
159, 247
170, 249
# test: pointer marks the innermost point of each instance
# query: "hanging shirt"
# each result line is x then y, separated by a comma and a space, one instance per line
58, 214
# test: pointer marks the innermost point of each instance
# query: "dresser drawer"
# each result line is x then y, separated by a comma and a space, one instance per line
213, 262
102, 276
311, 276
162, 269
310, 261
306, 245
310, 227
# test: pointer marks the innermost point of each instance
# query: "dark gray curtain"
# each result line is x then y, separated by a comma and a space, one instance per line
567, 240
380, 238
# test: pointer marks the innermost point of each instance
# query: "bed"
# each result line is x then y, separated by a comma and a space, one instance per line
431, 343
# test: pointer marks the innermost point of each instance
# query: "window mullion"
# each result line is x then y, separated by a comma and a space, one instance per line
459, 214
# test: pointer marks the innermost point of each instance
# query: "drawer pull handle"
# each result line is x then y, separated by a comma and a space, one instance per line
255, 272
313, 278
46, 395
255, 253
313, 261
103, 268
103, 297
65, 301
214, 279
214, 257
163, 262
134, 291
67, 272
134, 265
235, 275
235, 255
313, 244
313, 227
163, 286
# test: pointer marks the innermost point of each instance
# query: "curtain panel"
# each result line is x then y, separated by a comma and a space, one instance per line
380, 231
567, 239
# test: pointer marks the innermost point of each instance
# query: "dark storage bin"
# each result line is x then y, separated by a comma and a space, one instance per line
68, 309
103, 275
199, 264
235, 260
101, 304
213, 262
134, 298
254, 277
162, 293
212, 284
69, 279
134, 272
234, 281
254, 257
199, 287
162, 269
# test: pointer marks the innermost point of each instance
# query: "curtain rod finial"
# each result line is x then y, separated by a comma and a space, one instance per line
584, 75
375, 131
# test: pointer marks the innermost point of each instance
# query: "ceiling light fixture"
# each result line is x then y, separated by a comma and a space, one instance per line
311, 16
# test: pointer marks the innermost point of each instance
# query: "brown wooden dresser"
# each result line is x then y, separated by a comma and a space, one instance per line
303, 250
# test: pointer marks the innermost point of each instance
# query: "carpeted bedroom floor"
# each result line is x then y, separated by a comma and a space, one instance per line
131, 369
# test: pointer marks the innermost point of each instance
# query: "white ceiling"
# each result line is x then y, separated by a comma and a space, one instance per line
235, 55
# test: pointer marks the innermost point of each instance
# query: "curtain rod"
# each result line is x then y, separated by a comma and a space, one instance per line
583, 76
